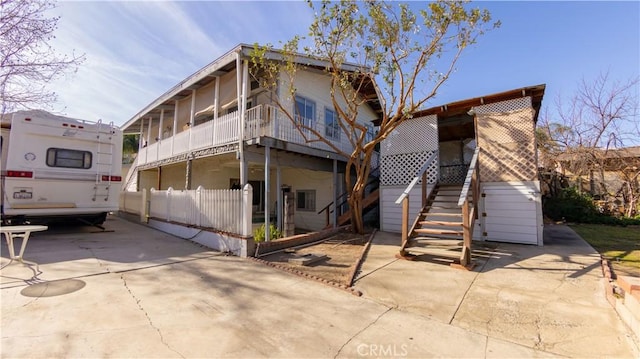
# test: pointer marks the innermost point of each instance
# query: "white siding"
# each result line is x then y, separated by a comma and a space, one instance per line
391, 213
301, 179
513, 212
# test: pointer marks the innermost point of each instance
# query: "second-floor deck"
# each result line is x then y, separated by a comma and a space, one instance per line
259, 121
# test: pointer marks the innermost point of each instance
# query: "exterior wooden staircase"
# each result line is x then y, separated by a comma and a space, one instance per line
439, 225
446, 219
368, 202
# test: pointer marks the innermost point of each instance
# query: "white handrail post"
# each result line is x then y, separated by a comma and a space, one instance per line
247, 204
405, 221
143, 206
168, 209
465, 257
199, 206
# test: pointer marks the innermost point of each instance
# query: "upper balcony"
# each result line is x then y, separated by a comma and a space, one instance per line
260, 121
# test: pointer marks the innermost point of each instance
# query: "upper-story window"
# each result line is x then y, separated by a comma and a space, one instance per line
332, 127
305, 111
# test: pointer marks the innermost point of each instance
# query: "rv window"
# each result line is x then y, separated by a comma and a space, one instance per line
62, 157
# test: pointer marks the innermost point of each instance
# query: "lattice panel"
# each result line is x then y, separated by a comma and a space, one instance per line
455, 174
506, 138
515, 126
505, 106
412, 136
399, 170
508, 162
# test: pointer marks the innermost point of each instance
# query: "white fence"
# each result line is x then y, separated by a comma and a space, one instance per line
131, 202
222, 210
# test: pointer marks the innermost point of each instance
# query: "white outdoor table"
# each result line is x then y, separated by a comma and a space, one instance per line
13, 232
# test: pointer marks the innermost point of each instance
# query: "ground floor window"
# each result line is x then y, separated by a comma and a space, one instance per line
258, 192
306, 200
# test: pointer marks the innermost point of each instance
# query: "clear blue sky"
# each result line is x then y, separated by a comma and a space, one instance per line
137, 50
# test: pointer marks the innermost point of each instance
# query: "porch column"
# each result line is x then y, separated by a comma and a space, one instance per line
335, 193
216, 97
278, 198
241, 83
187, 184
149, 131
140, 139
267, 184
175, 125
192, 115
160, 125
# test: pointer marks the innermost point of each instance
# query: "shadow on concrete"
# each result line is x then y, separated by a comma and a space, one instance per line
560, 242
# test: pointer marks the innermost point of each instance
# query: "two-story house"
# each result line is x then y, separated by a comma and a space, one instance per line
219, 129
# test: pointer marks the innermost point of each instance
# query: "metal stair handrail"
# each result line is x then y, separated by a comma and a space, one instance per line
342, 198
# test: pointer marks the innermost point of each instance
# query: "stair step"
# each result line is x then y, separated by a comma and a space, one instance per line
430, 249
440, 223
444, 253
444, 242
431, 208
437, 231
443, 214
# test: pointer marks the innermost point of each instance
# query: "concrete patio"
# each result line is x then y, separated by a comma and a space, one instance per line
137, 292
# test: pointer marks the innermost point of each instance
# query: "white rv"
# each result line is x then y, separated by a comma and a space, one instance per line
56, 168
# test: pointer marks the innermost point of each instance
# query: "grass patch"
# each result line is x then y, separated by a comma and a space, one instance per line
621, 245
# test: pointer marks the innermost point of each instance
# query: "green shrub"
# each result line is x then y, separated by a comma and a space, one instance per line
573, 206
259, 233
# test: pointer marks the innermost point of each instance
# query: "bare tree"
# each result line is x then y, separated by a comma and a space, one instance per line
399, 55
588, 131
29, 63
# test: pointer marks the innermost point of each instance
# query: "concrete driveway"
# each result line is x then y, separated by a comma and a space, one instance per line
137, 292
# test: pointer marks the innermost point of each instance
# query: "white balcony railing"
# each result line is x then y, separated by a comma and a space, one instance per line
260, 121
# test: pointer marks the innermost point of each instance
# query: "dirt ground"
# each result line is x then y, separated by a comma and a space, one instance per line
343, 252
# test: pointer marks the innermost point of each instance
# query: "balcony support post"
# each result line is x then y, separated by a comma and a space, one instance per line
149, 131
278, 198
335, 194
241, 82
267, 186
216, 98
140, 134
175, 126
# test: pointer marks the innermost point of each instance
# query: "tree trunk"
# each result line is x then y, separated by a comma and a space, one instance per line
355, 203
